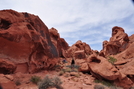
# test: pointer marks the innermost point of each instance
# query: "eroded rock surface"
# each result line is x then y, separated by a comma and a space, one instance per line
79, 46
59, 43
25, 40
118, 42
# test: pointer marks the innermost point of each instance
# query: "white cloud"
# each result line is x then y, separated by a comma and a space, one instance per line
88, 20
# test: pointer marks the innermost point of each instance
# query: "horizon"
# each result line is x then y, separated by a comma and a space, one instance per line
88, 21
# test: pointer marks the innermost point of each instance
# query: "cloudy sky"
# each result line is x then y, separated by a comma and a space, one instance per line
90, 21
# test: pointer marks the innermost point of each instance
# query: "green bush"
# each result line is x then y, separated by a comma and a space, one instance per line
50, 83
35, 79
112, 60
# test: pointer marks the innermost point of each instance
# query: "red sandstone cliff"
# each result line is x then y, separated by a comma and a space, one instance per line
26, 44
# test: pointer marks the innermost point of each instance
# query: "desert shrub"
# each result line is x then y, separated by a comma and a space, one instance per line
73, 66
99, 87
112, 60
77, 75
61, 73
116, 87
17, 82
35, 79
104, 82
75, 70
57, 82
50, 82
67, 70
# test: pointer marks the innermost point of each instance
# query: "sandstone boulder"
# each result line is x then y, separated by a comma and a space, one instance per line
101, 68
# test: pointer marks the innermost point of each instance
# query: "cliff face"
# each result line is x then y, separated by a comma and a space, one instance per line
25, 42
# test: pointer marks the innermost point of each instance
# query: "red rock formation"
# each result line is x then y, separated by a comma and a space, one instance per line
25, 40
6, 82
118, 42
80, 54
100, 67
131, 38
59, 43
79, 45
6, 66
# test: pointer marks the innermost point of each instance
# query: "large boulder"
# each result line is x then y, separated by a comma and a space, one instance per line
101, 68
25, 40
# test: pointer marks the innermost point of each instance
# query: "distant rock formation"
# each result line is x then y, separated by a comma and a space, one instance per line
118, 42
79, 46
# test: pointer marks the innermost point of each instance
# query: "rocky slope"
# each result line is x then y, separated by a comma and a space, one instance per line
29, 48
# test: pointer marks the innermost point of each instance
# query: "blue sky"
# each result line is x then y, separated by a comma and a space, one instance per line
90, 21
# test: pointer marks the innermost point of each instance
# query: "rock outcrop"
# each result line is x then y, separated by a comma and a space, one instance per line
118, 42
79, 46
59, 43
26, 42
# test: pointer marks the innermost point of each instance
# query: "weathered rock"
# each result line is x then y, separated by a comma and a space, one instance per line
79, 45
126, 83
126, 55
102, 68
118, 42
59, 43
6, 82
83, 65
80, 54
6, 66
131, 38
25, 40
